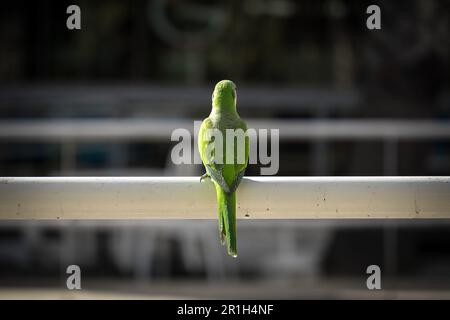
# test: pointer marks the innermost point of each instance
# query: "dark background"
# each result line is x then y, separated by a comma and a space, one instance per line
308, 60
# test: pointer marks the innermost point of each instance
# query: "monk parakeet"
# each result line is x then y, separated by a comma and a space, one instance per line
225, 172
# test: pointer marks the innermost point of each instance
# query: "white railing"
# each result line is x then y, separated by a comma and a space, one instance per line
258, 198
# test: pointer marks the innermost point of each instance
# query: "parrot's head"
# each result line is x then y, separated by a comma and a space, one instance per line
224, 96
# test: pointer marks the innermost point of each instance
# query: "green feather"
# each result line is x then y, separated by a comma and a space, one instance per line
227, 211
228, 174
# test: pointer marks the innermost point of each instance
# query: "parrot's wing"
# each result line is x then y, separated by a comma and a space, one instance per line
213, 169
217, 176
240, 167
237, 181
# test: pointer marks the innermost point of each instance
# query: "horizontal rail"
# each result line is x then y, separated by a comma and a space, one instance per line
161, 129
174, 98
258, 198
244, 223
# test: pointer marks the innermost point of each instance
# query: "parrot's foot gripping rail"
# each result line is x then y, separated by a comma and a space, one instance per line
257, 198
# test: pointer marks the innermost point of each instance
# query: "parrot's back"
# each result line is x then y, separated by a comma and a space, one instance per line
224, 172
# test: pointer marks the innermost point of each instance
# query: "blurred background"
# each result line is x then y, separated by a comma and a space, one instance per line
71, 100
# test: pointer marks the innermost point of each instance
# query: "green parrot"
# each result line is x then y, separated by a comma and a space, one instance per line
226, 174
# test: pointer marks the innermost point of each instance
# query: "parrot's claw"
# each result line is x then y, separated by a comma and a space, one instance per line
203, 177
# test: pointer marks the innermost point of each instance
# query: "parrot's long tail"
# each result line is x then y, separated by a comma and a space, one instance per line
227, 219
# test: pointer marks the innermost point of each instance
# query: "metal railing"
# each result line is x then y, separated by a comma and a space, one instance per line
258, 198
